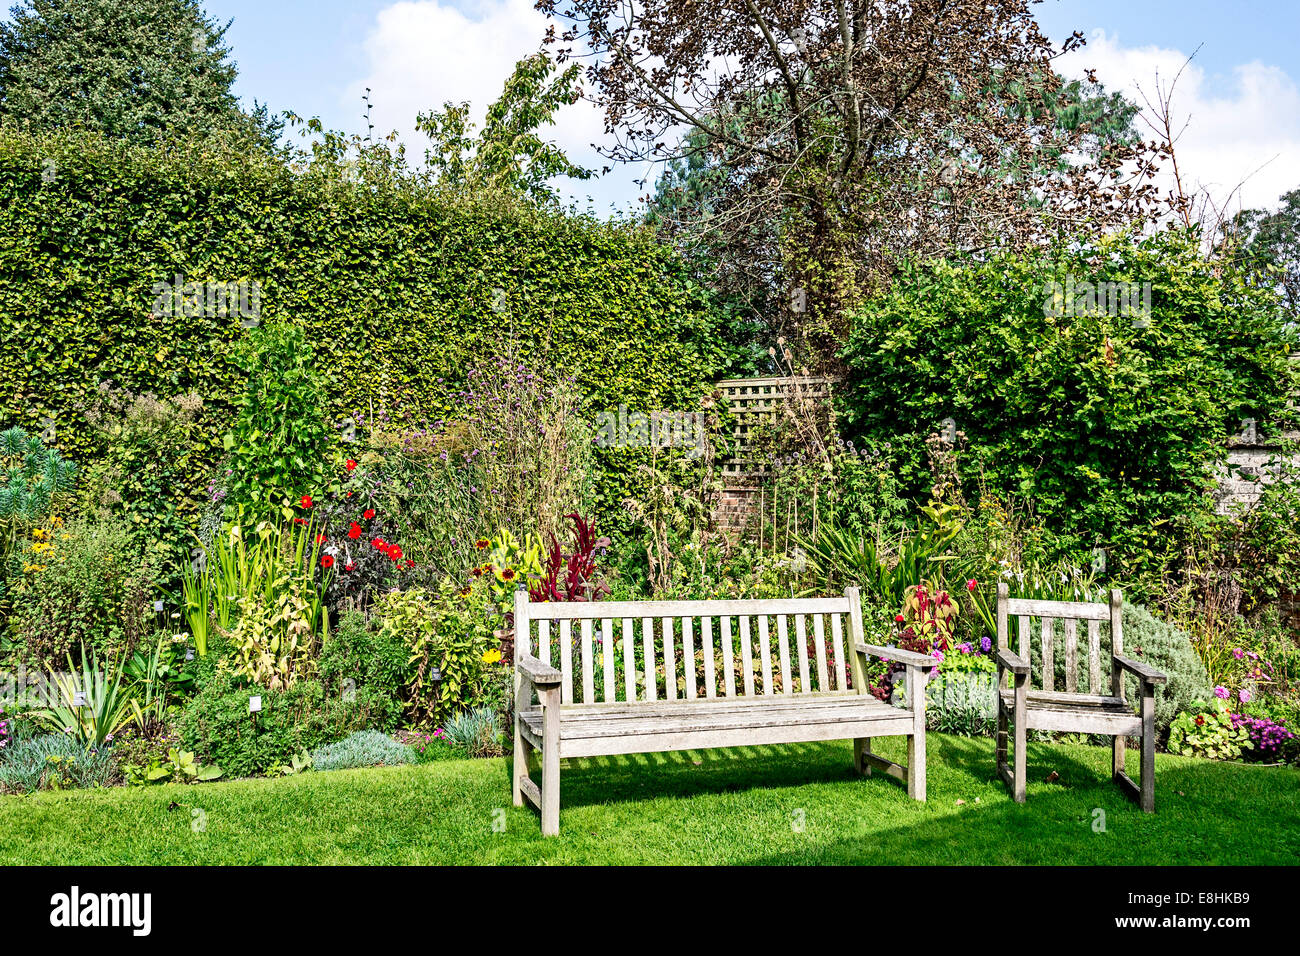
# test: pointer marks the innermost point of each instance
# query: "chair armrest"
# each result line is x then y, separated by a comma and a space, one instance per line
910, 658
1010, 661
542, 675
1148, 675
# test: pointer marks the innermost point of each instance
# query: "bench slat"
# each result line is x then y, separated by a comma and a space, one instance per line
783, 639
577, 610
819, 635
728, 662
544, 642
1094, 657
651, 672
1049, 664
710, 677
1071, 656
747, 655
837, 648
588, 683
688, 658
801, 634
566, 659
607, 647
765, 653
629, 660
670, 660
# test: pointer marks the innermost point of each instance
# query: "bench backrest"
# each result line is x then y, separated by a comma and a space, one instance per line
1063, 645
625, 651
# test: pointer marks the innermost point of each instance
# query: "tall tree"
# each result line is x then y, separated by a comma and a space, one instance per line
137, 70
849, 134
508, 154
1268, 244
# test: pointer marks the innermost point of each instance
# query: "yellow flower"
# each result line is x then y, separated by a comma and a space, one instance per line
492, 657
39, 534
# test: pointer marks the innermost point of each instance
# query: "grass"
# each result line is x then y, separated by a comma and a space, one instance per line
739, 806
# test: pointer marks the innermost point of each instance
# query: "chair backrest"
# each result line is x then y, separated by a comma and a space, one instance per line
628, 651
1068, 614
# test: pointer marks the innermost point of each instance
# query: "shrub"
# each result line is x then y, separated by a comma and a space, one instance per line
398, 287
1208, 730
477, 732
366, 748
89, 585
370, 658
429, 747
964, 703
1110, 425
218, 727
53, 762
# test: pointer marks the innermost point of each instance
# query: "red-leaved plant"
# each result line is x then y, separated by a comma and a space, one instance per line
571, 576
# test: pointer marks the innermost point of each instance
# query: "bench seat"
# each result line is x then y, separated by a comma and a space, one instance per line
588, 730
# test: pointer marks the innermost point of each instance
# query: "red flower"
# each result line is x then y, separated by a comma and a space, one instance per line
410, 564
898, 618
350, 465
349, 566
370, 513
299, 520
305, 501
972, 584
379, 544
320, 539
354, 532
508, 574
395, 552
477, 572
327, 560
481, 543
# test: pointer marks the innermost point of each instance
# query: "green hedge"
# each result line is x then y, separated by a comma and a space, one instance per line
1109, 425
395, 284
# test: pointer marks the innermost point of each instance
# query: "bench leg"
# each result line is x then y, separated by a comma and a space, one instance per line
861, 746
519, 765
1020, 740
1000, 749
551, 762
916, 681
1117, 751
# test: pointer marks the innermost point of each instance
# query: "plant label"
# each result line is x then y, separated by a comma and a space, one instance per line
78, 698
254, 704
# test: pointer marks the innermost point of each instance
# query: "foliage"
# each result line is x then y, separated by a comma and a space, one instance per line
107, 706
1165, 648
179, 766
420, 284
1110, 425
143, 72
32, 477
357, 656
842, 137
572, 575
448, 630
1267, 244
84, 583
1207, 730
427, 747
219, 728
53, 762
477, 732
279, 445
150, 470
365, 748
508, 154
963, 704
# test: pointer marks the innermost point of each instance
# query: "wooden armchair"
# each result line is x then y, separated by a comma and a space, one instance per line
1072, 709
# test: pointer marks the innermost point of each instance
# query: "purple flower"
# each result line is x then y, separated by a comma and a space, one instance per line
986, 645
1221, 692
1244, 696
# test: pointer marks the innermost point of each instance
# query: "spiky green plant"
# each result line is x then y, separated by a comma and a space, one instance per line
106, 707
33, 476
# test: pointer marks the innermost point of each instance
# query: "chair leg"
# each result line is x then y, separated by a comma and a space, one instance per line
1148, 778
519, 766
1000, 751
1021, 739
1117, 750
861, 746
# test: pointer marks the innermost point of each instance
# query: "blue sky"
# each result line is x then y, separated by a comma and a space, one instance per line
315, 57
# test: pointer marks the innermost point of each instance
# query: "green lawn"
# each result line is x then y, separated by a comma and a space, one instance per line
735, 806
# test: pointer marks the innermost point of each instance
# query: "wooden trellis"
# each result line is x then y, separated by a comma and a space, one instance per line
751, 400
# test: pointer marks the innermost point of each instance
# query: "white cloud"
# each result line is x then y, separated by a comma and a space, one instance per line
422, 53
1245, 126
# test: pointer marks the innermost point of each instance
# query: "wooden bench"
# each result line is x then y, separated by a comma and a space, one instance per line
687, 675
1072, 708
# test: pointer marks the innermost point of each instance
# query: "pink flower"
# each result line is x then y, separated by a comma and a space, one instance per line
972, 584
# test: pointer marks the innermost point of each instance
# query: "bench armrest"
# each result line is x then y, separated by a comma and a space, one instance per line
1148, 675
910, 658
542, 675
1010, 661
